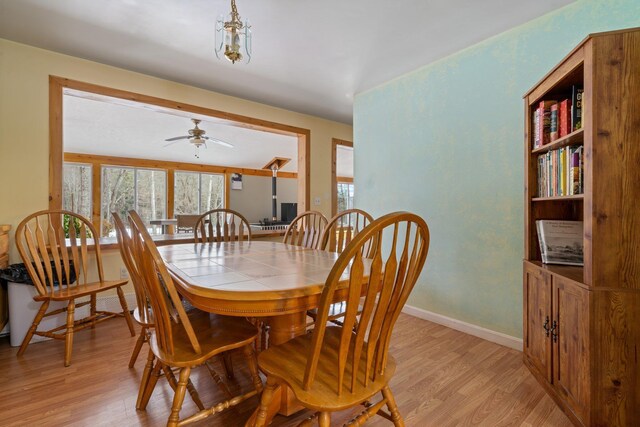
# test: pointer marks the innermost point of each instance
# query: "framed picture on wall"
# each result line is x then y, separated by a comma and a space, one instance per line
236, 181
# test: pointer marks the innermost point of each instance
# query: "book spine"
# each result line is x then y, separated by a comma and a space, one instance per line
553, 123
562, 172
545, 121
575, 171
576, 107
564, 118
536, 130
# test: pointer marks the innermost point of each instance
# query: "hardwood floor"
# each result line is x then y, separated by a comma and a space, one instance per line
444, 378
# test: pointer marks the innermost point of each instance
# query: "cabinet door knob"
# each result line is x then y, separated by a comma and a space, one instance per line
546, 326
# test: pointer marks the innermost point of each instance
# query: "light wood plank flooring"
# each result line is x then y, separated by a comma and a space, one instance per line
444, 378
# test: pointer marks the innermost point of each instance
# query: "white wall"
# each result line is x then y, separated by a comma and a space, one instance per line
254, 200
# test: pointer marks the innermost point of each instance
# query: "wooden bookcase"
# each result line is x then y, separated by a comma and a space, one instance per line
582, 324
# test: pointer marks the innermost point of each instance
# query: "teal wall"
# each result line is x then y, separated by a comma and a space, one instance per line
446, 142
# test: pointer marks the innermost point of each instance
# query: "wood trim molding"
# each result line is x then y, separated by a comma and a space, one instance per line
347, 179
57, 86
334, 178
96, 159
468, 328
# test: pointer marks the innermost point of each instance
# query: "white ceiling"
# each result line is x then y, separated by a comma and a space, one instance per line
92, 126
308, 56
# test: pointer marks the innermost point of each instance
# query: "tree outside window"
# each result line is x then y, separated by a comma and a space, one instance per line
123, 189
76, 188
197, 193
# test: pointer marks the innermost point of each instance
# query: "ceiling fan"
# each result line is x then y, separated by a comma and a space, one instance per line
197, 138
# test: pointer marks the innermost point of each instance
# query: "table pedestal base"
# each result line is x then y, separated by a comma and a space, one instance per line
282, 329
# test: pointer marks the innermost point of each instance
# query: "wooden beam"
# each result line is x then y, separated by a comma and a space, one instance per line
96, 159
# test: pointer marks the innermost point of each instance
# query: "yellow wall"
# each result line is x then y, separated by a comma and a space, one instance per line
24, 130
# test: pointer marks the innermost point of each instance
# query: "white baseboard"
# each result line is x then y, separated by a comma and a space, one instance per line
467, 328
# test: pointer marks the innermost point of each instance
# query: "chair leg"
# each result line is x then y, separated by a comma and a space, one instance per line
136, 350
145, 379
227, 363
324, 419
265, 400
250, 354
393, 408
178, 398
68, 342
34, 327
152, 379
174, 385
125, 311
92, 312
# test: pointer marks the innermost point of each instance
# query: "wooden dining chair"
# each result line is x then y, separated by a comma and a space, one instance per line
186, 223
186, 339
339, 367
340, 230
54, 246
143, 315
221, 225
305, 230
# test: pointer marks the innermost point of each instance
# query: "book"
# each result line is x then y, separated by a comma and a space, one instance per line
561, 242
564, 118
536, 128
576, 107
553, 126
544, 121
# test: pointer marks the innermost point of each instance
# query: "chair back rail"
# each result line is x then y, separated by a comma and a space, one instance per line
126, 246
400, 243
48, 249
305, 230
163, 296
221, 225
342, 228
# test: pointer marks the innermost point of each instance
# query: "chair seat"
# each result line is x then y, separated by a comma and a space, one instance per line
288, 362
79, 291
215, 333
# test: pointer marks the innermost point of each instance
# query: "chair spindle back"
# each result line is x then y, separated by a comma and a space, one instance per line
221, 225
388, 278
51, 243
342, 228
126, 246
163, 296
305, 230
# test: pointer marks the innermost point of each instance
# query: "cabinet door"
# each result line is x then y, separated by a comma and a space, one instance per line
571, 345
537, 317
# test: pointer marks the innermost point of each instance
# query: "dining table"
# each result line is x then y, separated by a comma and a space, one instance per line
273, 281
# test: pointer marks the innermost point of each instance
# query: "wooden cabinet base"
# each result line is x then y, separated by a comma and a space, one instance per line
552, 392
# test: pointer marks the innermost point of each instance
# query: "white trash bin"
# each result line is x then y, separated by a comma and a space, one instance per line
23, 309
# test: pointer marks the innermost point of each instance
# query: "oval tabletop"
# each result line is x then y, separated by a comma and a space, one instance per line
249, 278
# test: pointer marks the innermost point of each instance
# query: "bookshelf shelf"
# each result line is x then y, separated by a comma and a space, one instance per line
574, 138
558, 198
571, 313
575, 273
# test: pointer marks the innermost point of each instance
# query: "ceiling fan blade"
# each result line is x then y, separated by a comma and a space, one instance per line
218, 141
176, 138
171, 143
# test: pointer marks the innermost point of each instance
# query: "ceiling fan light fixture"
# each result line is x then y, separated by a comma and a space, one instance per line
233, 37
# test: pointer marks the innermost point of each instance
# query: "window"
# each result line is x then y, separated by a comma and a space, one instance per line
197, 193
123, 189
76, 188
345, 196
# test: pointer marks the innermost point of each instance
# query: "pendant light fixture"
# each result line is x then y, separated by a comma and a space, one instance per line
233, 37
